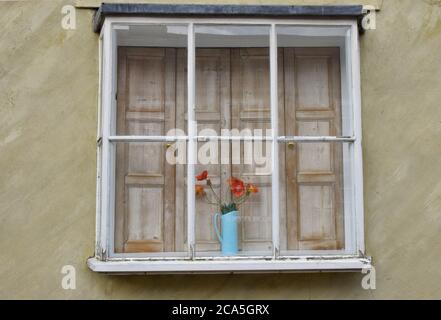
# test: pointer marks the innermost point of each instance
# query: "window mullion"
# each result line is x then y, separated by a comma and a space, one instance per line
108, 75
191, 161
274, 144
357, 149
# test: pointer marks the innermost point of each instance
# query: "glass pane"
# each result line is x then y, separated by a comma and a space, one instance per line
313, 61
151, 79
314, 77
233, 190
232, 36
315, 197
233, 98
150, 199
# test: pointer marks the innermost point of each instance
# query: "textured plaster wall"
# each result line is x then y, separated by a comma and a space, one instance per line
48, 94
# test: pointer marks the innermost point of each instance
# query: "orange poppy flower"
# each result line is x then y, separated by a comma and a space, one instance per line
200, 192
237, 187
202, 176
252, 188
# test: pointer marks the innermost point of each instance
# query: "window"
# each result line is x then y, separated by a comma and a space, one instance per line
275, 103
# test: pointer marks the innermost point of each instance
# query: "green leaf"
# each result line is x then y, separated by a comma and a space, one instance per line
227, 208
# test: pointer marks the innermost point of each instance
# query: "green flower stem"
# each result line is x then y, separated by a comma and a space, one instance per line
243, 199
206, 200
240, 198
219, 202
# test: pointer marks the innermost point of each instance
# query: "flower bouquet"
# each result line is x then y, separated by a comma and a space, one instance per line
229, 210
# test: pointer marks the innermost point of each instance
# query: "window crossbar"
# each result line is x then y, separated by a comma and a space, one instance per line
315, 139
231, 138
147, 138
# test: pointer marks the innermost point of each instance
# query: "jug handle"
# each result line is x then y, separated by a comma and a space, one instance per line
216, 228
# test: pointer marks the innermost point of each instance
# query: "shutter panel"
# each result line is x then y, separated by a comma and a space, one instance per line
314, 204
145, 182
251, 109
213, 103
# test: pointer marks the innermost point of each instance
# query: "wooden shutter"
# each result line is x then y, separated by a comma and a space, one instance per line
314, 201
232, 91
145, 183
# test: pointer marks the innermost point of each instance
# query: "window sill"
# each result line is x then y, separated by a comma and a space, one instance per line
303, 264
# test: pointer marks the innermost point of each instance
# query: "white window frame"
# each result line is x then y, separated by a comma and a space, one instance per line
353, 259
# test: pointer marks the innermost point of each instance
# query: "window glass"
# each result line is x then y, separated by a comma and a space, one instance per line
152, 92
149, 199
233, 98
313, 202
150, 186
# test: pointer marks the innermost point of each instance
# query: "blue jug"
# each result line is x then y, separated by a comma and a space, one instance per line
228, 239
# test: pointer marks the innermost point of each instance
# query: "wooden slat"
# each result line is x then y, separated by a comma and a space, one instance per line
315, 115
208, 117
256, 115
319, 245
316, 177
143, 246
145, 116
144, 179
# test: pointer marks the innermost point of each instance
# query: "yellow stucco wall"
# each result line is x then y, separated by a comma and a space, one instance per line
48, 94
